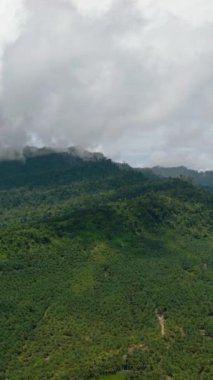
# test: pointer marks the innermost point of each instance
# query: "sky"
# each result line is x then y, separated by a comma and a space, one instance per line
130, 78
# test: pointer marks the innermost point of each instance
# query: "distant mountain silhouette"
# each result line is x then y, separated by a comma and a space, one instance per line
203, 178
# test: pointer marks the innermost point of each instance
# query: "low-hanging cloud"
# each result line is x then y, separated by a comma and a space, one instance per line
132, 77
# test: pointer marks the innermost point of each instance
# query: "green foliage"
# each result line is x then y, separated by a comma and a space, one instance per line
204, 179
118, 376
92, 254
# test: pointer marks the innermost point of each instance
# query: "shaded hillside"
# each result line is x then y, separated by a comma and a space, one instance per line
43, 167
104, 270
203, 178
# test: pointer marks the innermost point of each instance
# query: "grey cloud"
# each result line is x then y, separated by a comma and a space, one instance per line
136, 83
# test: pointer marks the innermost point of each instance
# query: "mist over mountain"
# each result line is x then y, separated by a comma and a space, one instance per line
132, 79
106, 189
203, 178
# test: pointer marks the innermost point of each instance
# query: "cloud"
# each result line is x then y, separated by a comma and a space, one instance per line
134, 77
12, 15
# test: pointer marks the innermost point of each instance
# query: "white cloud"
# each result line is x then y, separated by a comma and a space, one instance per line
12, 15
193, 12
92, 7
132, 76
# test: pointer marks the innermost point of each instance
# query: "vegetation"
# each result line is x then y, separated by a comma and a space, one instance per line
105, 272
118, 376
203, 178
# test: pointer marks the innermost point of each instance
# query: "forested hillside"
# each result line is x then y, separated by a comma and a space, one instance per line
105, 272
202, 178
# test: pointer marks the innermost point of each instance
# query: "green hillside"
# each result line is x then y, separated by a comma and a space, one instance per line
106, 272
202, 178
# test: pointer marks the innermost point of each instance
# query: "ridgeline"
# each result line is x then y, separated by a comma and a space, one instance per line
105, 271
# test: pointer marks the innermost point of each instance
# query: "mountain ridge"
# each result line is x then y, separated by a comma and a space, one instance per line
203, 178
30, 154
94, 257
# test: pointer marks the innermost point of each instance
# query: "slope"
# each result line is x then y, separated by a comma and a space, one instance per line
202, 178
90, 256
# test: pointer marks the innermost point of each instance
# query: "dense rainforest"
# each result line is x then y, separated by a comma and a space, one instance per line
105, 271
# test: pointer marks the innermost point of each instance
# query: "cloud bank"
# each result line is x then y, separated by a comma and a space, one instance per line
132, 78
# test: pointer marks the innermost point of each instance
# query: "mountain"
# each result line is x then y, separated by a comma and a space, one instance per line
105, 271
203, 178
